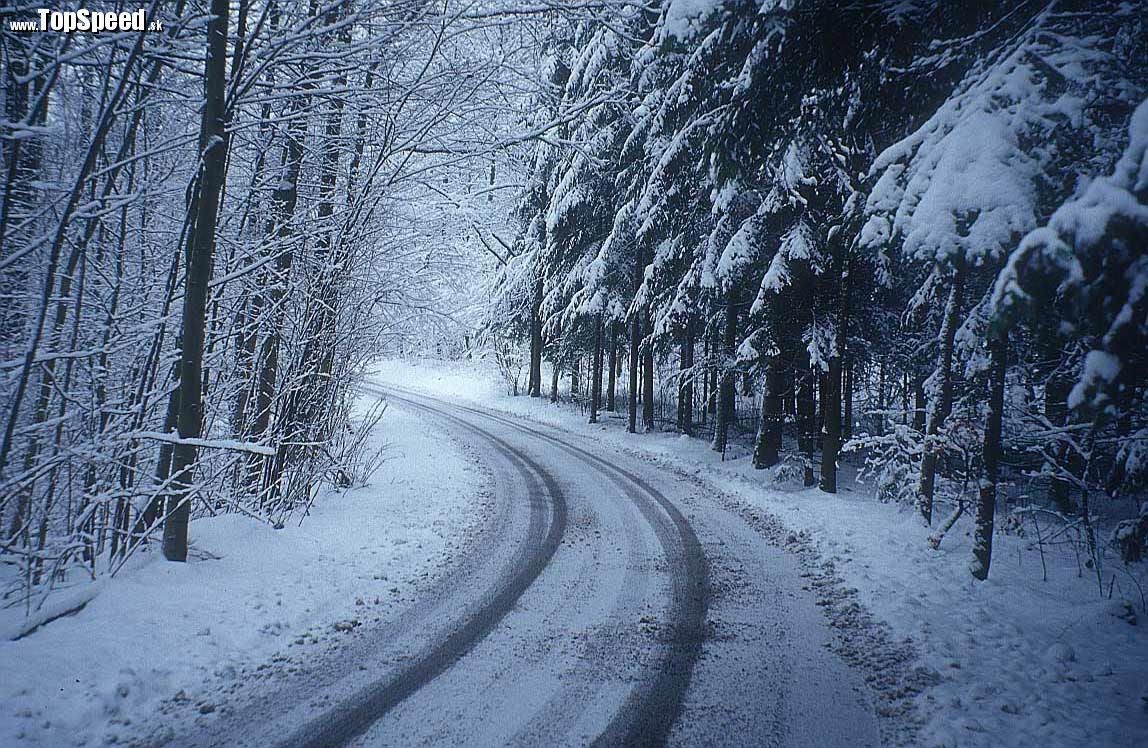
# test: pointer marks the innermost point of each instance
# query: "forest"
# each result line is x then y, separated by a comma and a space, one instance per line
930, 256
901, 242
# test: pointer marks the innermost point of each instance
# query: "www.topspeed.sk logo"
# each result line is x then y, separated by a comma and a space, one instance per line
92, 21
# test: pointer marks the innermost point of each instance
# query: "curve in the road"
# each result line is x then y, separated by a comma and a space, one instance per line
649, 713
352, 718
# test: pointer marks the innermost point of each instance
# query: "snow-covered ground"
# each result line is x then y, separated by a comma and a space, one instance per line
248, 594
1015, 660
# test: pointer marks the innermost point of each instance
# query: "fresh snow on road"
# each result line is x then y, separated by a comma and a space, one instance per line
1014, 661
249, 595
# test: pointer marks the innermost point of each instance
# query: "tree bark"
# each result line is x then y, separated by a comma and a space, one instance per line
200, 250
704, 410
534, 381
918, 404
767, 451
554, 376
990, 460
831, 431
685, 381
647, 377
726, 386
942, 404
807, 418
612, 384
831, 443
632, 395
596, 376
281, 234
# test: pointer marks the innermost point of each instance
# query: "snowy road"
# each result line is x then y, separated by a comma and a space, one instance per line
606, 603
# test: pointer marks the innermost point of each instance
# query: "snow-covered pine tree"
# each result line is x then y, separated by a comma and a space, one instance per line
952, 199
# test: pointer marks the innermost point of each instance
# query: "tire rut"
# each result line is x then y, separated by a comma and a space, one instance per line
352, 718
649, 713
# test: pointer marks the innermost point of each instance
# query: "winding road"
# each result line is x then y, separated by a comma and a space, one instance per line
606, 603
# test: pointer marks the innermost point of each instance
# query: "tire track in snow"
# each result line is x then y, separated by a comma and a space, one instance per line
353, 717
649, 713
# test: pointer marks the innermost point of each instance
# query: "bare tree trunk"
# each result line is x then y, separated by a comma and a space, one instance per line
686, 381
534, 381
596, 375
301, 417
767, 451
281, 235
706, 390
990, 460
727, 383
712, 400
555, 374
611, 387
200, 249
942, 404
831, 443
918, 404
807, 418
632, 395
647, 377
831, 432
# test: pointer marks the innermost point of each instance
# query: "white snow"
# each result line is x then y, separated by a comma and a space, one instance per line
1021, 661
248, 593
685, 18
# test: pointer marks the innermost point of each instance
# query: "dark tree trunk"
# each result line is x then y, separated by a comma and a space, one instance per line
685, 381
822, 398
281, 233
918, 404
612, 384
831, 432
712, 407
596, 376
767, 451
647, 377
942, 404
990, 460
831, 443
707, 392
807, 419
632, 395
726, 387
534, 380
23, 103
200, 249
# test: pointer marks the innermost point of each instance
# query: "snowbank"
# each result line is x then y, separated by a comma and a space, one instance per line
247, 594
1019, 661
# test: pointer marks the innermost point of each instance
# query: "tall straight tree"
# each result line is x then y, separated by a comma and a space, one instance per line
199, 252
990, 460
596, 378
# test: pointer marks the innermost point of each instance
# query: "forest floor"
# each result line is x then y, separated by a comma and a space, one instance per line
1034, 656
160, 632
